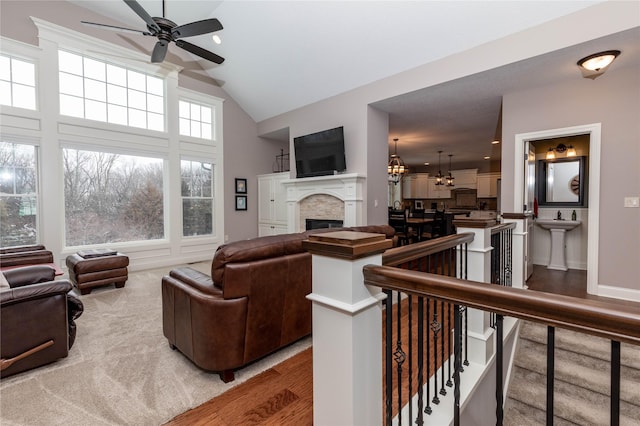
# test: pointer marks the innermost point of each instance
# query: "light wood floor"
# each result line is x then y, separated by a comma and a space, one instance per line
283, 395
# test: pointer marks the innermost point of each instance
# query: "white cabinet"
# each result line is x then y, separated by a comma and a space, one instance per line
488, 185
415, 186
272, 204
438, 191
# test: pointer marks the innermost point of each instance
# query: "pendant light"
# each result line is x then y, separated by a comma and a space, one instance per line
439, 175
450, 178
396, 167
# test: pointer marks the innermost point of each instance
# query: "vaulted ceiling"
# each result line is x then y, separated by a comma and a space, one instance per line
281, 55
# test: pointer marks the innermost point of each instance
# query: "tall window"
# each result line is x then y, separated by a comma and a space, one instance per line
195, 120
17, 83
197, 198
112, 197
104, 92
18, 194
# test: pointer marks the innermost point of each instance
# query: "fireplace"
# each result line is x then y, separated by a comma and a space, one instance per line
322, 223
346, 189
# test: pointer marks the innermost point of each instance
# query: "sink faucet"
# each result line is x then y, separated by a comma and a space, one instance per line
559, 215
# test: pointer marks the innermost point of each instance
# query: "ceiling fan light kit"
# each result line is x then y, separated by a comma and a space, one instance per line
168, 31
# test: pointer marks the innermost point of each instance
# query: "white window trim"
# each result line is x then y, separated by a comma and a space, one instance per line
54, 131
28, 53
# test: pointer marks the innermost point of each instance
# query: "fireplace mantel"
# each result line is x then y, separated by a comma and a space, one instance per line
347, 187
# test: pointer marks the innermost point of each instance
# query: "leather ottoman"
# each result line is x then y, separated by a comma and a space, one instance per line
86, 273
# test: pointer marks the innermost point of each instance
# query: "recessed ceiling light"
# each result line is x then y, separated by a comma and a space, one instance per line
426, 164
487, 158
216, 39
496, 142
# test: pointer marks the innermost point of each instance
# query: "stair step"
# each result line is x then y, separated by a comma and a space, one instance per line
572, 405
587, 372
586, 344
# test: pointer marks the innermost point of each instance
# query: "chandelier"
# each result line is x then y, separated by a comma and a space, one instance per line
450, 178
439, 176
396, 167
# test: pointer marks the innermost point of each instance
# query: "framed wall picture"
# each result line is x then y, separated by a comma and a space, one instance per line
241, 186
241, 202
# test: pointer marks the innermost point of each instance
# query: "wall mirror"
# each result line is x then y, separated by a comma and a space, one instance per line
562, 182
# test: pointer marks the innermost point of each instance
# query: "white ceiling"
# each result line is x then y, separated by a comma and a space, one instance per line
281, 55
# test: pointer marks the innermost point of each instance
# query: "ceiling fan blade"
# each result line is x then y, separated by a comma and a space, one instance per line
159, 51
114, 28
209, 56
139, 10
196, 28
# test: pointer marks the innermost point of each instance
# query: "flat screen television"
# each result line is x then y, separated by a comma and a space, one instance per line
320, 154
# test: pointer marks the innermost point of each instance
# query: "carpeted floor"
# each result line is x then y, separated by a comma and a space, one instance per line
120, 370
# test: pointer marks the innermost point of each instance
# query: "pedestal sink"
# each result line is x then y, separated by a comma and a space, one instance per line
558, 228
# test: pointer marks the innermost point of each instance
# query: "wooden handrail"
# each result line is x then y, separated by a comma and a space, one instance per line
502, 227
399, 255
611, 320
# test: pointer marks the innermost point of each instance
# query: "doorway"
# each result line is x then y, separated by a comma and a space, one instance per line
522, 184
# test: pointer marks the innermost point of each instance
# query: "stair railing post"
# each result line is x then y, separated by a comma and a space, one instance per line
347, 328
480, 333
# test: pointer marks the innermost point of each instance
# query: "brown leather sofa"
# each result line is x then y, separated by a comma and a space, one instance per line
24, 255
253, 304
37, 318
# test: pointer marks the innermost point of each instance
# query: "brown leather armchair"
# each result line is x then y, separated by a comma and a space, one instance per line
37, 318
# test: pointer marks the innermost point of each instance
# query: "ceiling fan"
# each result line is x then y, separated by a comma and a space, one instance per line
168, 31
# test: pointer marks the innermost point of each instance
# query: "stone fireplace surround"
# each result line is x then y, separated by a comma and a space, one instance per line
348, 188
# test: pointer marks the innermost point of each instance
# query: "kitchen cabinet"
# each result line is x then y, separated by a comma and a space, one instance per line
438, 191
415, 186
465, 178
272, 204
488, 185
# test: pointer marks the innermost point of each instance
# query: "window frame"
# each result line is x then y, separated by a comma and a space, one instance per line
20, 140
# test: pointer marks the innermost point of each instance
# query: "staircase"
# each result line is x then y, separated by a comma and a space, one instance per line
582, 380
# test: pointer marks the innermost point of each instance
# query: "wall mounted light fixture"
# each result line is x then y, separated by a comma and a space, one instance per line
595, 65
570, 150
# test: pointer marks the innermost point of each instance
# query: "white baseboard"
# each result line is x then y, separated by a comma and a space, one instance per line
619, 292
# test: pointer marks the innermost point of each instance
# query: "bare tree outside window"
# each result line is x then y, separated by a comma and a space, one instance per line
112, 198
18, 194
197, 198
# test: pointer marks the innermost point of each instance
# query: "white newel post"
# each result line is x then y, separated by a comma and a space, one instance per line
480, 333
347, 328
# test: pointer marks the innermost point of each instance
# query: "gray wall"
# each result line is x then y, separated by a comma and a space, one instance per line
613, 99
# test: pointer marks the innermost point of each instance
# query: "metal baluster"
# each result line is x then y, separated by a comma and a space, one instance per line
443, 391
428, 410
457, 338
410, 366
399, 355
388, 353
499, 386
551, 333
450, 271
420, 419
449, 346
615, 383
435, 327
466, 313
